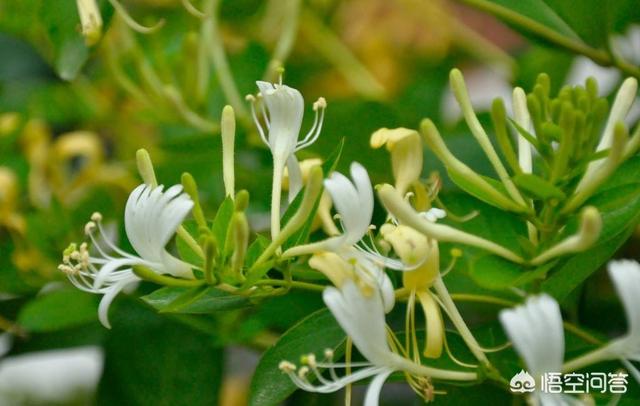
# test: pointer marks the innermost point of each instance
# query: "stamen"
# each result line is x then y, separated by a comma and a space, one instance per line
455, 254
252, 100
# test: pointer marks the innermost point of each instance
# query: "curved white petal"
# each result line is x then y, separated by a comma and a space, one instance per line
107, 299
353, 201
362, 318
373, 392
625, 275
286, 108
536, 331
151, 219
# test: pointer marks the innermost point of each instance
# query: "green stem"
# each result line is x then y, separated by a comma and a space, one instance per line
292, 284
469, 297
572, 44
147, 274
587, 359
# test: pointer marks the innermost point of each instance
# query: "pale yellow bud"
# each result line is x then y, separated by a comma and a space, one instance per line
405, 146
90, 20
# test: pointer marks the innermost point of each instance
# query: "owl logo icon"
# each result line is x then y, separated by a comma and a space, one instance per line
522, 382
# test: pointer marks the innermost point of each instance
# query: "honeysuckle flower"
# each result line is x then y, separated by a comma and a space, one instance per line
350, 265
405, 147
152, 217
360, 312
353, 201
625, 275
535, 329
282, 112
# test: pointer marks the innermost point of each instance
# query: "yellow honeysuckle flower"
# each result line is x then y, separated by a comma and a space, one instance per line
405, 146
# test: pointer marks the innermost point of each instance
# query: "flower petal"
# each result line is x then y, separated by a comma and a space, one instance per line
536, 331
373, 392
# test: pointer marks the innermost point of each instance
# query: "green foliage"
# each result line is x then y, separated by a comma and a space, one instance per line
152, 360
58, 310
194, 300
314, 333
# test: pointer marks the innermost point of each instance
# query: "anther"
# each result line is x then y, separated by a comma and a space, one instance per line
286, 366
89, 227
321, 103
96, 217
311, 361
328, 353
302, 372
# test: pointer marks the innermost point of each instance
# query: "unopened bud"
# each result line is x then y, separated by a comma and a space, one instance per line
90, 20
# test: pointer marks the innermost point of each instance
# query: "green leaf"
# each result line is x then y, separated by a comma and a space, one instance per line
315, 333
538, 187
152, 360
619, 204
256, 248
578, 268
497, 273
199, 300
537, 11
59, 310
221, 222
590, 19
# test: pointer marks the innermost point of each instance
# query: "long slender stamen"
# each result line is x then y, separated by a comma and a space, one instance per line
265, 116
106, 239
313, 134
252, 100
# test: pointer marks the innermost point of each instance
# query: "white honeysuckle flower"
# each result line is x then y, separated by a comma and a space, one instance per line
152, 217
282, 112
354, 202
625, 275
361, 316
359, 310
535, 329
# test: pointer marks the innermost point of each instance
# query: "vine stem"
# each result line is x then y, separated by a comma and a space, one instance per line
292, 284
572, 44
